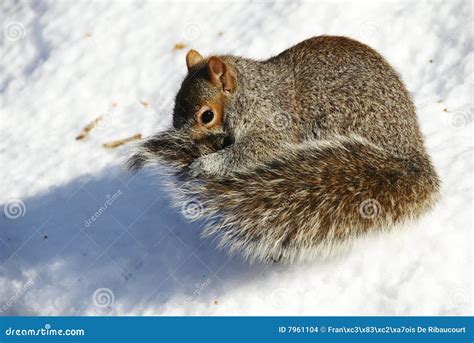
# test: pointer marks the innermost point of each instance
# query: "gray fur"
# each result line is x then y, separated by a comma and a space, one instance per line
317, 132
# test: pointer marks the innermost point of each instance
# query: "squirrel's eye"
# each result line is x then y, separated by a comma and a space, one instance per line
207, 117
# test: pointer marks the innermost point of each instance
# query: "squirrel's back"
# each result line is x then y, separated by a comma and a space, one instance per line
343, 87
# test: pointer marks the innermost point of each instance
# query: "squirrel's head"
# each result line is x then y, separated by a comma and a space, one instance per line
200, 102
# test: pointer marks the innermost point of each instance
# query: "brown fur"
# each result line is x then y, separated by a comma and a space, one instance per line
316, 146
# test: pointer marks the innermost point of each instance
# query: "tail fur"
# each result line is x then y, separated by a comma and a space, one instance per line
317, 195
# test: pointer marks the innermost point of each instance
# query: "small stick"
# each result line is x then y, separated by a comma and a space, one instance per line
179, 46
88, 127
144, 103
119, 142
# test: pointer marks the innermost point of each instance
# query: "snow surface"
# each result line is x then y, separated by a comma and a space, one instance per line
63, 63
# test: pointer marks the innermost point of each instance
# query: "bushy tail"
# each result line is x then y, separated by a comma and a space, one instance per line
317, 195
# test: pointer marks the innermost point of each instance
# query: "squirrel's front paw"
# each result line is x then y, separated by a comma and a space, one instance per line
204, 166
196, 168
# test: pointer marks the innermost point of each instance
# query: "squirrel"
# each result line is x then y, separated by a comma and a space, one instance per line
298, 154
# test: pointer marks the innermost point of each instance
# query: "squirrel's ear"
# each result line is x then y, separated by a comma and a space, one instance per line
220, 74
192, 58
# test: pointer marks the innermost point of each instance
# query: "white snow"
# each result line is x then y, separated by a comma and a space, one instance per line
63, 63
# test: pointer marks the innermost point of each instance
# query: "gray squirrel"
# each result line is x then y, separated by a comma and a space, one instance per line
297, 154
